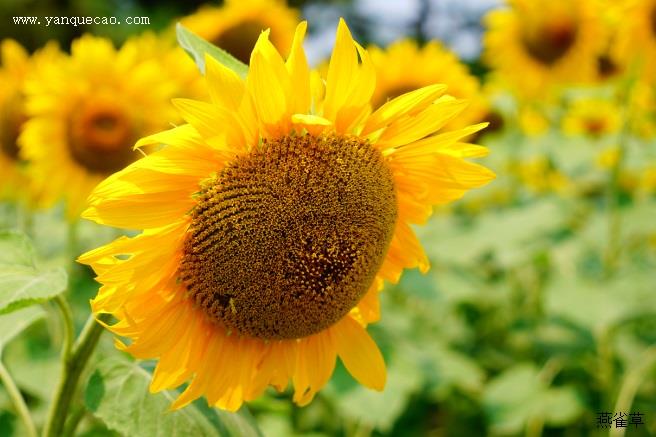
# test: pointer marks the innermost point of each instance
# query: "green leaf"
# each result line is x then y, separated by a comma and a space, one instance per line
510, 234
600, 304
378, 410
197, 47
13, 324
117, 394
21, 282
518, 395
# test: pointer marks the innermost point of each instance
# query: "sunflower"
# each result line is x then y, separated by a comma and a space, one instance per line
594, 117
236, 25
438, 65
15, 64
537, 44
270, 222
174, 62
636, 35
82, 130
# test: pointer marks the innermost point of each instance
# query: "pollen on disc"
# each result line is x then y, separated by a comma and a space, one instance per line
288, 238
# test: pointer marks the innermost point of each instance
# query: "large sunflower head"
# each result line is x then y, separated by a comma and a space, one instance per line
438, 65
82, 130
537, 44
270, 222
237, 24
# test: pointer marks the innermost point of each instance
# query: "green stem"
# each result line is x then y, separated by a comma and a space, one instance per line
535, 424
74, 420
72, 248
605, 372
613, 194
614, 216
17, 399
68, 329
71, 372
631, 384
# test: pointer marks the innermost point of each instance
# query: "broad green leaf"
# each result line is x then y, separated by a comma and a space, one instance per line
117, 394
241, 423
22, 283
378, 410
14, 323
518, 395
197, 47
600, 304
510, 234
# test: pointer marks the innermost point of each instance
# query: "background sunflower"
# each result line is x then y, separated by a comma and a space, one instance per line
80, 131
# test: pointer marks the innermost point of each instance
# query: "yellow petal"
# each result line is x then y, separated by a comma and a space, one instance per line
359, 353
341, 70
212, 121
269, 85
406, 104
225, 87
446, 143
312, 123
412, 128
299, 72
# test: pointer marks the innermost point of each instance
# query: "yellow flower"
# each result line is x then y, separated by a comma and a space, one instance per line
236, 25
641, 114
86, 112
432, 64
539, 175
636, 35
15, 67
15, 61
610, 65
174, 62
538, 44
594, 117
271, 220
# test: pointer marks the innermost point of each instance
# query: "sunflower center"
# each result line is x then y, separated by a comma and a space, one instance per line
101, 138
286, 240
240, 39
595, 126
552, 42
652, 19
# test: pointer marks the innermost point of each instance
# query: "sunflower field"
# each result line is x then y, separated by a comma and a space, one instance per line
328, 218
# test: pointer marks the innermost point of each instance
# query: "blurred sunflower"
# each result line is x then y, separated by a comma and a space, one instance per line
539, 175
237, 24
175, 64
594, 117
539, 44
438, 65
15, 64
15, 67
271, 220
636, 35
86, 112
